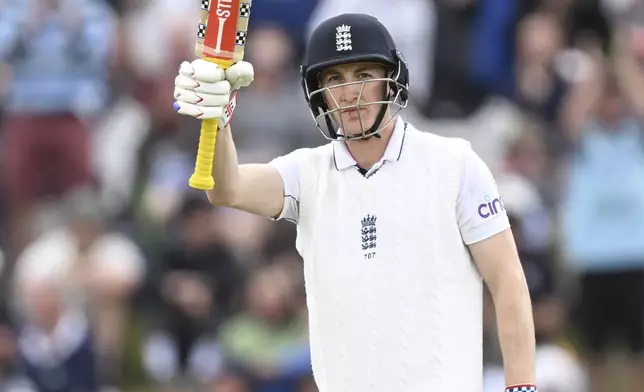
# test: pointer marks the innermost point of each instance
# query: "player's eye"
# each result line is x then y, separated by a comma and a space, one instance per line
364, 75
333, 79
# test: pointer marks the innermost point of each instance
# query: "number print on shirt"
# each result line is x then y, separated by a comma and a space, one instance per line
369, 236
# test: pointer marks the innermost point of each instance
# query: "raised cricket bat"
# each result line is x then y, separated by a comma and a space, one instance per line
221, 38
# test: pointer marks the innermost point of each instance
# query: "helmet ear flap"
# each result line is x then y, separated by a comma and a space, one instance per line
305, 86
316, 102
401, 82
308, 85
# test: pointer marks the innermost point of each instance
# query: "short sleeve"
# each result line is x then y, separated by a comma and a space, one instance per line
288, 167
479, 209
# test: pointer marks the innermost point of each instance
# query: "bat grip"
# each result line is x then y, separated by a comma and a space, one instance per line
202, 177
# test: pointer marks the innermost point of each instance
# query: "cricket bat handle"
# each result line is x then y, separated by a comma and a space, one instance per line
201, 178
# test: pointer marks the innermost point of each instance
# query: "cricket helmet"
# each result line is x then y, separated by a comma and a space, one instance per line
346, 39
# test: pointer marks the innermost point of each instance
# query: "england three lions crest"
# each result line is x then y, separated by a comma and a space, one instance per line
343, 38
369, 234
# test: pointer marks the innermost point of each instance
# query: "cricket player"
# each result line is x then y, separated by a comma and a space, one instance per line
397, 228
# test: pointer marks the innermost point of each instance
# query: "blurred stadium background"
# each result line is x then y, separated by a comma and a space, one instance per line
117, 276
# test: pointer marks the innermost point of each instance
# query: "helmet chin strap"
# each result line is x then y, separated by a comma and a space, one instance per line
356, 135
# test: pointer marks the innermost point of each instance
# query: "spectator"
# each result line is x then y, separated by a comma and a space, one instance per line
539, 86
57, 51
101, 266
291, 15
267, 343
603, 220
198, 288
523, 185
56, 349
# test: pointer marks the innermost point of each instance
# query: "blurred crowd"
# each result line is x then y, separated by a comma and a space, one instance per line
116, 276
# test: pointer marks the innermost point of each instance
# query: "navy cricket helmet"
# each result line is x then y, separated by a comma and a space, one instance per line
346, 39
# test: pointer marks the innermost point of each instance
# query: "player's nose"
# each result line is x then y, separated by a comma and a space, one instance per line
349, 95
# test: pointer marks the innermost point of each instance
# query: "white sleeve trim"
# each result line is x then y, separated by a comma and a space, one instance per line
288, 166
486, 231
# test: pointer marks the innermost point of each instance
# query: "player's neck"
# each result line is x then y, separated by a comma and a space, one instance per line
368, 152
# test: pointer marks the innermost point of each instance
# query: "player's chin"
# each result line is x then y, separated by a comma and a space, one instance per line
356, 134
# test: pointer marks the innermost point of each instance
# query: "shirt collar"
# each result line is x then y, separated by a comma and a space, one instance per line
342, 157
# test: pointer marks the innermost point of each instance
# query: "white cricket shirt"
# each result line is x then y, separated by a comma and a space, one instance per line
394, 299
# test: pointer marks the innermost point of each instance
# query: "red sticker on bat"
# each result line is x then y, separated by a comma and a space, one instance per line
221, 34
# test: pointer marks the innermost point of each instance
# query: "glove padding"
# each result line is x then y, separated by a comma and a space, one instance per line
202, 89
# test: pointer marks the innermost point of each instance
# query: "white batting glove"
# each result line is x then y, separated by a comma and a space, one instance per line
203, 90
240, 75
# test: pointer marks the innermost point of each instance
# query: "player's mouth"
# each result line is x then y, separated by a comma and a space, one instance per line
353, 112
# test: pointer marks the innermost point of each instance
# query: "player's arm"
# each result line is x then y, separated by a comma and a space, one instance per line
486, 230
254, 188
202, 90
498, 263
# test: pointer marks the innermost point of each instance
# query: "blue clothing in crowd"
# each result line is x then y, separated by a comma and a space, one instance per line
60, 63
603, 212
63, 361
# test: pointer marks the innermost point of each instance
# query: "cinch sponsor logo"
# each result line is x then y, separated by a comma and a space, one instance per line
491, 207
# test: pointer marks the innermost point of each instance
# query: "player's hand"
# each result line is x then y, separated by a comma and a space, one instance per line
202, 89
240, 75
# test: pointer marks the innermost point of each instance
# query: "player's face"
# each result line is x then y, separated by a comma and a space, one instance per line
354, 87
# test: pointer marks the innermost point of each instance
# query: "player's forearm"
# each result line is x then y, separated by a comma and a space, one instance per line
516, 330
225, 170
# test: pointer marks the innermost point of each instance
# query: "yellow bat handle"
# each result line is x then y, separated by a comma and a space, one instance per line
202, 177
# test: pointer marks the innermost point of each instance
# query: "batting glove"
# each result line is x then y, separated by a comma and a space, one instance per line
203, 90
240, 75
